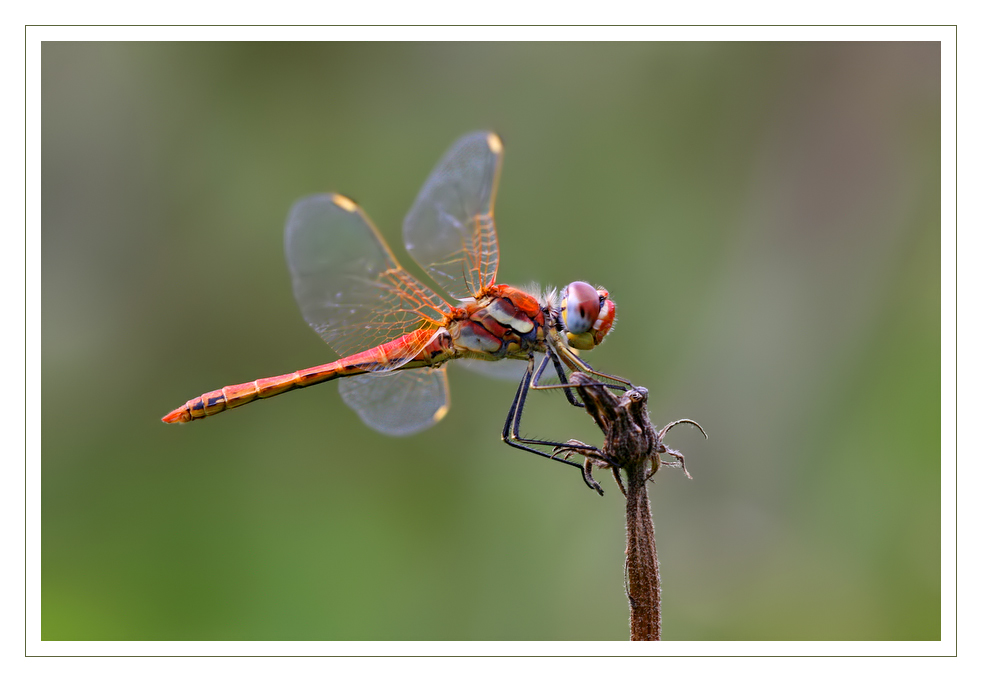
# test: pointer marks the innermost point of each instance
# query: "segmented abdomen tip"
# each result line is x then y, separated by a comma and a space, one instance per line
179, 415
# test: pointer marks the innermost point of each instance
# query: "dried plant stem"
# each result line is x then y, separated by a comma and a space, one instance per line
632, 445
643, 579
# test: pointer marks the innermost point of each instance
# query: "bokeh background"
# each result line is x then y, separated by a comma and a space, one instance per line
766, 215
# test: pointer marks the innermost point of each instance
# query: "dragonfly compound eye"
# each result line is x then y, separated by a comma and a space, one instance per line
580, 309
588, 314
581, 306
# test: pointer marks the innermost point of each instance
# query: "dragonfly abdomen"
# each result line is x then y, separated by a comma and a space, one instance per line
388, 354
228, 397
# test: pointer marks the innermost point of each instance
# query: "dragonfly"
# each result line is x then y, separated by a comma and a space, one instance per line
396, 335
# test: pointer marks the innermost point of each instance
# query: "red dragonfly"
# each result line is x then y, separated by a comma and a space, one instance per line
395, 335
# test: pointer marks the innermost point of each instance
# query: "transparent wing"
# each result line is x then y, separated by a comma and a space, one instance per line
349, 286
398, 403
510, 370
450, 229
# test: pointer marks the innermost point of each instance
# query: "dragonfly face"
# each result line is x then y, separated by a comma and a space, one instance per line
395, 334
587, 314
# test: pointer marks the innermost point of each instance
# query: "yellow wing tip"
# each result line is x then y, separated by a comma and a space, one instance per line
441, 413
494, 142
345, 203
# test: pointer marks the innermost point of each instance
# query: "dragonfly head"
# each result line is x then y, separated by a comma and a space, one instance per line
587, 314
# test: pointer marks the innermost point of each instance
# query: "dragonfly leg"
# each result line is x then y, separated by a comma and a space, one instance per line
576, 363
588, 465
557, 357
574, 446
510, 433
563, 381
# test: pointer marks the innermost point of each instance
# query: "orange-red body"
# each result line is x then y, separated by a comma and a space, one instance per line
505, 322
382, 320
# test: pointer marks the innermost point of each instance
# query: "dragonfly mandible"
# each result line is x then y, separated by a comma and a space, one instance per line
395, 334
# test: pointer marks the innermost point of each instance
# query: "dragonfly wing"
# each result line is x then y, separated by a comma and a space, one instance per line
398, 403
349, 286
510, 370
450, 229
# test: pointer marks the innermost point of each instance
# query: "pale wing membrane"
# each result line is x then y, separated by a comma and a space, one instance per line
508, 369
450, 229
349, 286
398, 403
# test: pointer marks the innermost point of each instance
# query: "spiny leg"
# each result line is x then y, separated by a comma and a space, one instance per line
571, 447
510, 433
515, 416
563, 382
580, 365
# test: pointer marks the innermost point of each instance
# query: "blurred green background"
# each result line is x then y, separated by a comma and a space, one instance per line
767, 217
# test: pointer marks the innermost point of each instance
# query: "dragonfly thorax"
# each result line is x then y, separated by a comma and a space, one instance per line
505, 322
